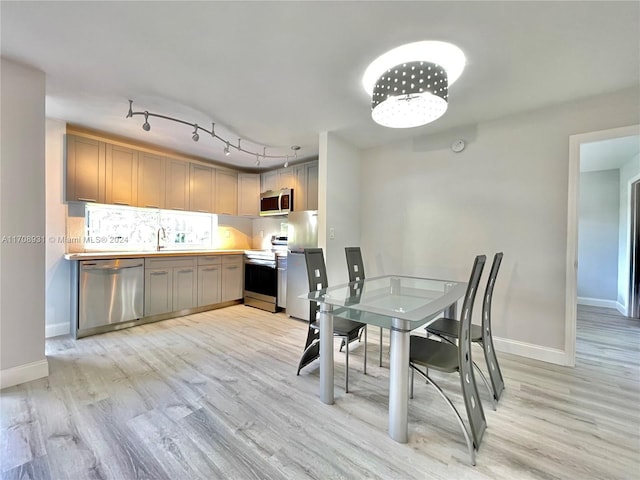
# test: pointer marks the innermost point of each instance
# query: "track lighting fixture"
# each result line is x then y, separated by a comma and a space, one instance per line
196, 136
145, 126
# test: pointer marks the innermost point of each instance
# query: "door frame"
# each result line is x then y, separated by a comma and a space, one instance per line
633, 309
571, 290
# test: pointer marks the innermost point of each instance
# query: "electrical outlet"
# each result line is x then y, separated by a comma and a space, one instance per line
332, 233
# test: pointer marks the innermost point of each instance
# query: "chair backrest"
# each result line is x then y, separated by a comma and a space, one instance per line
354, 263
472, 403
487, 337
316, 269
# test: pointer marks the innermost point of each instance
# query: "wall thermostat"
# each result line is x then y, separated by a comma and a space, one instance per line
458, 146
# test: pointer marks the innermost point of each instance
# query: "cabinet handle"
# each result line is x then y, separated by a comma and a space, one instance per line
121, 203
163, 272
186, 271
203, 211
210, 269
151, 206
232, 268
87, 199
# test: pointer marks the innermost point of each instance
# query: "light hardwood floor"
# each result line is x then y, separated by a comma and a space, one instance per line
215, 396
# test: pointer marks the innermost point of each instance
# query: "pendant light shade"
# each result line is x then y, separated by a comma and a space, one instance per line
410, 94
409, 85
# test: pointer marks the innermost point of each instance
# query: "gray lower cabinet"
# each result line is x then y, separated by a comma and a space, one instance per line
209, 277
232, 277
170, 285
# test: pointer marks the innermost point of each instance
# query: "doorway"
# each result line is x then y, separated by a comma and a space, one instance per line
634, 241
575, 144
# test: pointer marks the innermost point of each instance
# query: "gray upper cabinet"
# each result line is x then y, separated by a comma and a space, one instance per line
226, 192
248, 194
269, 181
177, 185
85, 169
202, 179
302, 178
312, 186
122, 175
151, 180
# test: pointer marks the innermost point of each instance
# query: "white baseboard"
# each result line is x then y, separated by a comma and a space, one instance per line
622, 309
57, 329
24, 373
529, 350
597, 302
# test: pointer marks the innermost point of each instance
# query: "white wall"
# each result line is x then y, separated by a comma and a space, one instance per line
629, 173
58, 307
429, 211
598, 233
22, 214
339, 208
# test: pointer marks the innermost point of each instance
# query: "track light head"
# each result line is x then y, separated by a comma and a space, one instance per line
195, 136
227, 152
145, 126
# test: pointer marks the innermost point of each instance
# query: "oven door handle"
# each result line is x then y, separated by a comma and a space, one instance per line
262, 263
280, 202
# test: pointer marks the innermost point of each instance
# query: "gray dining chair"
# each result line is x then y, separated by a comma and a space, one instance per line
447, 329
348, 330
450, 358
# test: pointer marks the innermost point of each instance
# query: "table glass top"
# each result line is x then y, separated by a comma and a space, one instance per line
390, 296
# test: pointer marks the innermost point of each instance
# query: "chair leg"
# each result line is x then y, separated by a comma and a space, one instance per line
470, 446
365, 350
486, 383
411, 391
346, 370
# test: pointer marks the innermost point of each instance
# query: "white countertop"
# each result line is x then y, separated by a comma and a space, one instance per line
147, 253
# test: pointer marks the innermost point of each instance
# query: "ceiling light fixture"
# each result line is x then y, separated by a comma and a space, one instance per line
409, 85
195, 136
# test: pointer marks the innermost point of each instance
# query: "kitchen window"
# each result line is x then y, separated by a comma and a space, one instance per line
111, 227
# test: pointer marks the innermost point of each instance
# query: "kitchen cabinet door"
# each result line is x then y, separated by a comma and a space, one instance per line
85, 170
248, 194
151, 180
184, 288
232, 278
209, 287
285, 178
202, 180
226, 192
158, 291
269, 181
300, 188
312, 186
177, 185
122, 175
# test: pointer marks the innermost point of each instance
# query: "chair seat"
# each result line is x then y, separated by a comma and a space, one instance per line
448, 327
433, 354
343, 327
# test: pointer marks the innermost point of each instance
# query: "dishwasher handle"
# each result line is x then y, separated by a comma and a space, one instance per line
113, 268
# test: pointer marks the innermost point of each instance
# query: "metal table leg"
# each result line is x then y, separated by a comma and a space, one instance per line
326, 354
399, 380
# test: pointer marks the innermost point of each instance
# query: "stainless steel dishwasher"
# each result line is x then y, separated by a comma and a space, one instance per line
110, 291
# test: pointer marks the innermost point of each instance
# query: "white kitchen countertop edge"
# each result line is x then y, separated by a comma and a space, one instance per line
142, 254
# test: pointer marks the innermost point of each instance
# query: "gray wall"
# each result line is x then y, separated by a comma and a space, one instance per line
598, 232
428, 211
22, 213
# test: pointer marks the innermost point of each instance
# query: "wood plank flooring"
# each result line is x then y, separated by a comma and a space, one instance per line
215, 396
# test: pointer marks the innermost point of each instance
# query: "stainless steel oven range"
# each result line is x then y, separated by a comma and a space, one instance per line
263, 271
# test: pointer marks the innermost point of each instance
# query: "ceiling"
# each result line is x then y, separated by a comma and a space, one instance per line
608, 154
278, 73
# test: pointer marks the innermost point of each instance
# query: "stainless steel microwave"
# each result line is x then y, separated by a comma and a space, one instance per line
276, 202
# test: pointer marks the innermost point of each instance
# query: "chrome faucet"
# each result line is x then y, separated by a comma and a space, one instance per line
164, 237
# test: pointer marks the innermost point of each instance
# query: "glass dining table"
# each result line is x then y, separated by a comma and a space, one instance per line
399, 303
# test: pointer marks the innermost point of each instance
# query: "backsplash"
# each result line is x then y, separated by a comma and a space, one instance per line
137, 229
